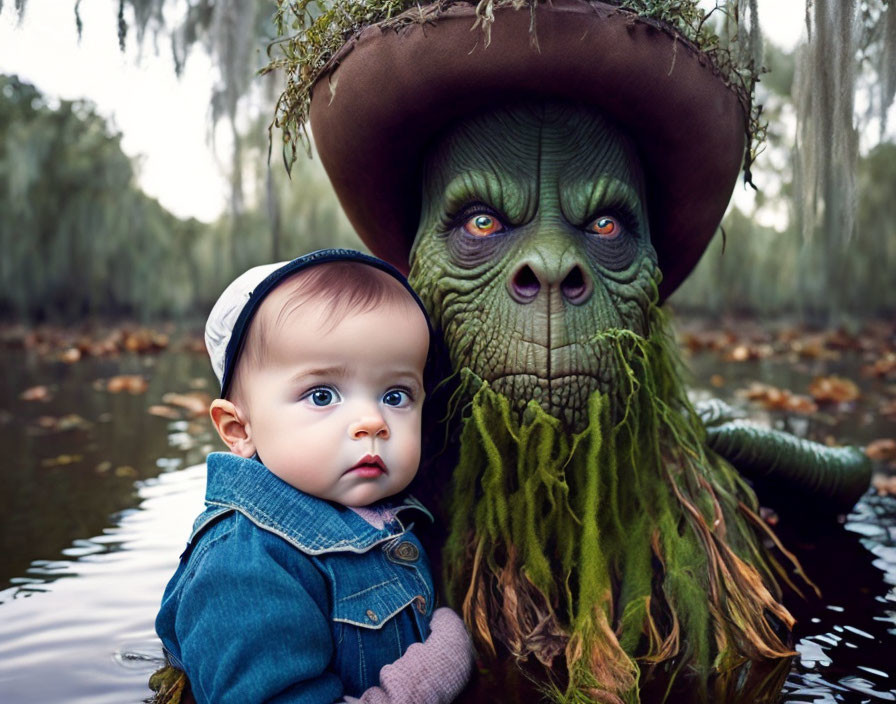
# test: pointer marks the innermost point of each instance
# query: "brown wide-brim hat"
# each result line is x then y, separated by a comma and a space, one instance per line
390, 91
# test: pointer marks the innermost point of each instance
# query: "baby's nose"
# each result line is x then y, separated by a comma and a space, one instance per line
369, 426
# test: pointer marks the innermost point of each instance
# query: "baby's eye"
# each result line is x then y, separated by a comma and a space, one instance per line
483, 225
396, 398
322, 396
605, 226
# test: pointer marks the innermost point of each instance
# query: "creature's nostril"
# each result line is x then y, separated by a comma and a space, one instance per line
525, 284
575, 286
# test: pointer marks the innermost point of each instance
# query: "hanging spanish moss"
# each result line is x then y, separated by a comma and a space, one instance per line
614, 550
827, 140
232, 39
229, 30
886, 65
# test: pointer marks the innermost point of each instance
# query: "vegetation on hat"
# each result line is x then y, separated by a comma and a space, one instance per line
311, 32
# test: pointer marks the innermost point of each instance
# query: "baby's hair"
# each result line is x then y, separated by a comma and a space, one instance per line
346, 287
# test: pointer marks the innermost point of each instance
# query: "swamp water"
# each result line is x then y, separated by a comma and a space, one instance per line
98, 495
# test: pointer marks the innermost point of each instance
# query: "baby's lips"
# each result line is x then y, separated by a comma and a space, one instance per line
370, 461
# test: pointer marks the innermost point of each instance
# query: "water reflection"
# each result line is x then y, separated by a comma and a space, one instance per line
82, 630
61, 479
846, 641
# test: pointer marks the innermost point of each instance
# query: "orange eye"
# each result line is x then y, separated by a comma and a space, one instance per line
483, 225
605, 226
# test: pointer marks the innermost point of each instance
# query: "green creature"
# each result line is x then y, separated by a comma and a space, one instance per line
548, 183
605, 531
583, 462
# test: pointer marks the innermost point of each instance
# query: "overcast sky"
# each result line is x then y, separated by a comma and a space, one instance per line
164, 121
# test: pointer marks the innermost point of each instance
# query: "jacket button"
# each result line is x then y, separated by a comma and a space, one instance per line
420, 603
407, 552
372, 616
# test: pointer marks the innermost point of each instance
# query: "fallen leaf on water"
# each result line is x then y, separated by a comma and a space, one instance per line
104, 348
741, 353
145, 340
888, 409
195, 403
843, 340
763, 392
833, 389
164, 412
882, 367
717, 380
883, 449
103, 467
71, 355
812, 347
198, 383
884, 484
70, 422
132, 383
716, 340
776, 399
35, 393
747, 352
61, 460
73, 421
125, 471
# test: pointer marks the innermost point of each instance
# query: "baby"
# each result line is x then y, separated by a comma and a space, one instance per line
299, 582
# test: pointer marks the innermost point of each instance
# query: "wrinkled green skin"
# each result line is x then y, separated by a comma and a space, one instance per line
521, 307
527, 168
547, 172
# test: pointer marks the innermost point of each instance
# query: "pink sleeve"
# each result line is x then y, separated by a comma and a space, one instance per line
432, 672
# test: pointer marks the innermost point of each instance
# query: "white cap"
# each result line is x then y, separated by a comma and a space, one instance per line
222, 320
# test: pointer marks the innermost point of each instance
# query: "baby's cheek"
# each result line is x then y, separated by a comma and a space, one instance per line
410, 445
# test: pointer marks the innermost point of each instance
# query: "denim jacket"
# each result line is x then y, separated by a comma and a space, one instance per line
283, 597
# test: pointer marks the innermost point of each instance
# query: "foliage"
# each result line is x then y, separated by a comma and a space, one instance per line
844, 38
814, 273
312, 31
79, 237
758, 269
812, 262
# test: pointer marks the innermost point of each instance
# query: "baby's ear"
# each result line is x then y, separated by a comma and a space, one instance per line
232, 426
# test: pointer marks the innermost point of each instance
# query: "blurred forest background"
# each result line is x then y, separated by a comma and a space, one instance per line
79, 238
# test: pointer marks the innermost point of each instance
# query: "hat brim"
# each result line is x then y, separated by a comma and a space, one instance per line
389, 92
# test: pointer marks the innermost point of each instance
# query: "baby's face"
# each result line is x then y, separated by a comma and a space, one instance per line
336, 410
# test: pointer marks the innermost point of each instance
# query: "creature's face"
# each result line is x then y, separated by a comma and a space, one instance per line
533, 240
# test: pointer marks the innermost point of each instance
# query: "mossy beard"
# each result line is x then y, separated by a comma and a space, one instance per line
617, 548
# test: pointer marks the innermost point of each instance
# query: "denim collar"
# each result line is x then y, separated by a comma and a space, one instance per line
313, 525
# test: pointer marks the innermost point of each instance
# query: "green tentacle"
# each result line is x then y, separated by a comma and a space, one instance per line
784, 467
